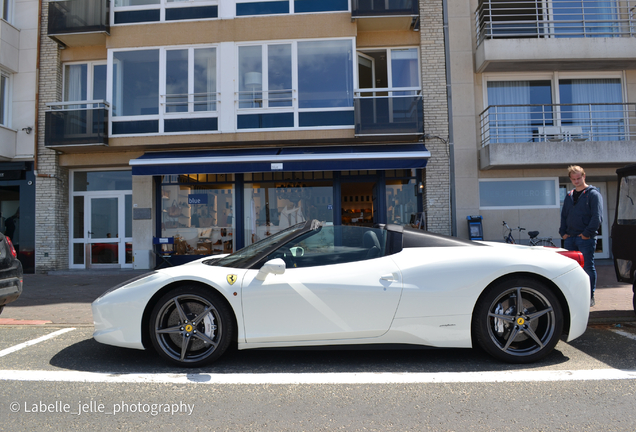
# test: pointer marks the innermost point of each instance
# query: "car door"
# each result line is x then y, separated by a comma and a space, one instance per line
351, 298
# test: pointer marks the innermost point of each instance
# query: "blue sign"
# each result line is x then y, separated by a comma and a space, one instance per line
198, 199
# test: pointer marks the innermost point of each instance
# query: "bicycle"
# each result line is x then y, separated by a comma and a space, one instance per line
534, 239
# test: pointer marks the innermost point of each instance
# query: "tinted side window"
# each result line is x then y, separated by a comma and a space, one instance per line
626, 205
333, 245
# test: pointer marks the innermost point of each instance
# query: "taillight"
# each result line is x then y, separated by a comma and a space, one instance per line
575, 255
11, 248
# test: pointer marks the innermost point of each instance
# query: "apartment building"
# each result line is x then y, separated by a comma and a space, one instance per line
18, 60
203, 126
538, 86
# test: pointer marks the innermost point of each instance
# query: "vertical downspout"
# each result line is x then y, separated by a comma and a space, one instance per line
451, 141
36, 128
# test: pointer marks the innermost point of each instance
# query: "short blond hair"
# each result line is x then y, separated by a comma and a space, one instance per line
575, 169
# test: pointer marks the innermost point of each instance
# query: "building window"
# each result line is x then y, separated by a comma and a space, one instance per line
84, 81
138, 11
7, 10
4, 98
274, 7
518, 194
184, 100
323, 95
555, 108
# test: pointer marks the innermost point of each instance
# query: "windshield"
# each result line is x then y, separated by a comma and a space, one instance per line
242, 257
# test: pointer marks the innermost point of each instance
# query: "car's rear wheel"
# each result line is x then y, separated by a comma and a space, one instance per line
191, 326
518, 321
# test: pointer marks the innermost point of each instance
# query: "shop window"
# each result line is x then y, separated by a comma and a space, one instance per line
270, 207
89, 181
401, 200
199, 217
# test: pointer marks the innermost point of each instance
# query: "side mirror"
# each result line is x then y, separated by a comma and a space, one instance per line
275, 266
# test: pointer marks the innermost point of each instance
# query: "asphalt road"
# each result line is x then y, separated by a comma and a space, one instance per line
70, 382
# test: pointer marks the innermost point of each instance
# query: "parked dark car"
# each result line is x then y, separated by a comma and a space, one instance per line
624, 228
10, 273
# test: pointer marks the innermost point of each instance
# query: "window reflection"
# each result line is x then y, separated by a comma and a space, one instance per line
200, 218
401, 201
273, 206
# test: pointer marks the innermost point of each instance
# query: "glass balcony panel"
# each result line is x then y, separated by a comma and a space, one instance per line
389, 115
78, 16
77, 125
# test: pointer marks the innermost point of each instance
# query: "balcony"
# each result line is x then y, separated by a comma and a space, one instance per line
554, 35
514, 136
79, 22
383, 112
386, 15
76, 124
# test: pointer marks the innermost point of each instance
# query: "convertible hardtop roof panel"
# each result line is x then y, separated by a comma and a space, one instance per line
627, 170
412, 238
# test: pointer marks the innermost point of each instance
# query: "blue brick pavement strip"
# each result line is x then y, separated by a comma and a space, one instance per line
64, 297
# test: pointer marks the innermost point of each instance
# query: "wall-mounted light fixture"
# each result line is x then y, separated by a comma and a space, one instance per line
28, 129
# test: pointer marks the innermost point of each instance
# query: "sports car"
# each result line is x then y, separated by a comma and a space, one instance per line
316, 284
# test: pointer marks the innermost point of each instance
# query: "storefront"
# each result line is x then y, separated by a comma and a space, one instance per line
216, 202
17, 209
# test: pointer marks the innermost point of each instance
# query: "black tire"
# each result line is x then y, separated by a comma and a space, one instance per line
546, 242
535, 329
191, 326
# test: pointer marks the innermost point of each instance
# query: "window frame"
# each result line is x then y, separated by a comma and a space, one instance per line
6, 98
295, 107
162, 6
162, 115
555, 205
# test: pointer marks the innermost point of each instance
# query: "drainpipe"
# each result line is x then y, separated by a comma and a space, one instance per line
451, 141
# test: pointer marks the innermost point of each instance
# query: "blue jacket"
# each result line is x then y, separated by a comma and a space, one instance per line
583, 218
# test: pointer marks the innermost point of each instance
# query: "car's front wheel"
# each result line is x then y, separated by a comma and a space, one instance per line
518, 321
191, 326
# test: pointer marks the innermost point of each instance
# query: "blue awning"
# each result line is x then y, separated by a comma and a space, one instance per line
333, 158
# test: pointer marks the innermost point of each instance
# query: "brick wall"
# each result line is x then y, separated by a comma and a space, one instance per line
437, 173
51, 193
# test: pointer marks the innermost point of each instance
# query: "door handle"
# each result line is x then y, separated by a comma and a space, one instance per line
388, 277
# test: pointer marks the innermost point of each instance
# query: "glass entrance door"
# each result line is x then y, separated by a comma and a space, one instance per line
106, 240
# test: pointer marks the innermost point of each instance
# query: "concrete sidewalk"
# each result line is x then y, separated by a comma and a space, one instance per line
65, 297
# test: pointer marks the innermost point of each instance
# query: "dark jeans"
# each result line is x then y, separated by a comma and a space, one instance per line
587, 248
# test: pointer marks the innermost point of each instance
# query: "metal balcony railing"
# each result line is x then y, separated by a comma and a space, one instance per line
78, 16
388, 112
498, 19
379, 8
189, 103
553, 123
76, 123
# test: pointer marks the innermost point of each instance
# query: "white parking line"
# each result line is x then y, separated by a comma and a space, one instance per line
18, 347
626, 334
320, 378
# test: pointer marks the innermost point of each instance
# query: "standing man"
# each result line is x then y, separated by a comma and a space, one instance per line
580, 221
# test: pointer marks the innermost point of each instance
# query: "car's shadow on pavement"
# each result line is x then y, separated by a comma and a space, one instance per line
603, 344
90, 356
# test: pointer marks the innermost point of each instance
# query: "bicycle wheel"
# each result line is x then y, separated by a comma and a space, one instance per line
545, 242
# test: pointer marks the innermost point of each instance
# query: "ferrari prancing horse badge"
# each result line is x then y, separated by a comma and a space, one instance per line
231, 278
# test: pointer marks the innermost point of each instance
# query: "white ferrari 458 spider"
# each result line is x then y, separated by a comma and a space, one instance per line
323, 285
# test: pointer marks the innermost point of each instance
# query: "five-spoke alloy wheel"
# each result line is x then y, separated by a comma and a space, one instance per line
518, 321
191, 326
